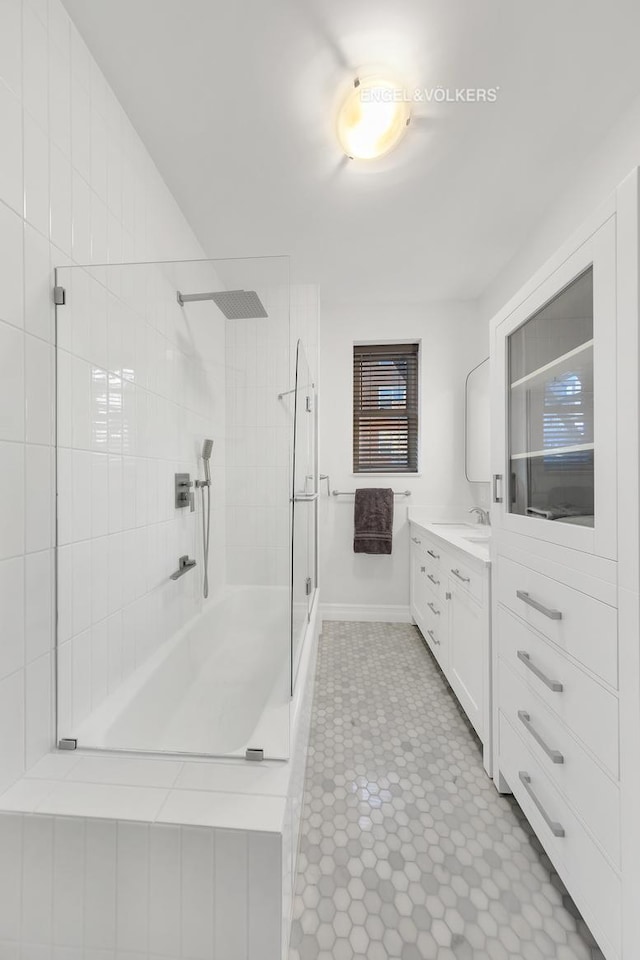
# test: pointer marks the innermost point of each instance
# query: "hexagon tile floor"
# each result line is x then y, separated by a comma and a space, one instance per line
407, 850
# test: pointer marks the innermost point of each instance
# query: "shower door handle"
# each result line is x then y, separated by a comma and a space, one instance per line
304, 497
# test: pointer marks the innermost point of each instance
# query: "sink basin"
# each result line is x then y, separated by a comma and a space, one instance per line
477, 539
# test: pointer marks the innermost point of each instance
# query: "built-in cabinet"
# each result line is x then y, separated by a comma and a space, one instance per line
565, 565
450, 603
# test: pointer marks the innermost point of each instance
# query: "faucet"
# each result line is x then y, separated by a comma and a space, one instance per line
483, 516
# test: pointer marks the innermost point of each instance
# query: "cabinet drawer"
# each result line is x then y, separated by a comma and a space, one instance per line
584, 627
466, 578
589, 710
588, 875
591, 792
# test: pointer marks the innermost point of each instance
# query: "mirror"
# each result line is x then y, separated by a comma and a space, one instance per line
476, 425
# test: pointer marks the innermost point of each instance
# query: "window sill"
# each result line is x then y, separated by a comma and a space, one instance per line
407, 476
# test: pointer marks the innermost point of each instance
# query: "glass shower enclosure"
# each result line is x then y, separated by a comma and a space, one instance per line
167, 374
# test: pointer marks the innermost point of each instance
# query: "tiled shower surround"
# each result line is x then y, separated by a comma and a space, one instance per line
407, 850
260, 365
76, 185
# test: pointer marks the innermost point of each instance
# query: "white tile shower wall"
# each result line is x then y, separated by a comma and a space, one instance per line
76, 185
260, 365
258, 445
140, 384
99, 888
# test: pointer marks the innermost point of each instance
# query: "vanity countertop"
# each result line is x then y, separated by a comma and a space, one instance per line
472, 538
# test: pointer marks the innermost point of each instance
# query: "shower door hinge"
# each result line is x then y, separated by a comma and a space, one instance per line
254, 753
308, 405
59, 296
307, 586
67, 744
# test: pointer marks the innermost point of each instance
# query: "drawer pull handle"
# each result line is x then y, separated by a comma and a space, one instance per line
436, 556
457, 574
526, 598
433, 579
433, 609
554, 685
433, 637
415, 540
556, 828
554, 755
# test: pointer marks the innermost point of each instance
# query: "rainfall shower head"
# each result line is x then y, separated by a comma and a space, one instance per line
235, 304
207, 447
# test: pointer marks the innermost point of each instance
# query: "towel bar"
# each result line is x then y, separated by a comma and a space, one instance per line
351, 493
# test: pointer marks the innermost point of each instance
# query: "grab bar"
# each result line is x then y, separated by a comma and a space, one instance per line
184, 565
304, 497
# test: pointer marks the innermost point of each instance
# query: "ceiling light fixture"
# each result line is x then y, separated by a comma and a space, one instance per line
373, 117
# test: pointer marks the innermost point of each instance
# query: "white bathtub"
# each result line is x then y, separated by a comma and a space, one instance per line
220, 685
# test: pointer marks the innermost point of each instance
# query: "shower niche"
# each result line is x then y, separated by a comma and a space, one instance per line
186, 562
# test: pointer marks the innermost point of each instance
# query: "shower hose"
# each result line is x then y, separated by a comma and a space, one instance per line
206, 529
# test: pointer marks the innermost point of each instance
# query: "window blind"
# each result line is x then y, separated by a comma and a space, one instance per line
385, 408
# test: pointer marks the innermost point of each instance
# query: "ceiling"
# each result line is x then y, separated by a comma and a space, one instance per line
235, 100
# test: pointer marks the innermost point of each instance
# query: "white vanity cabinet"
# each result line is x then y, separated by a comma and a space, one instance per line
450, 603
565, 569
467, 651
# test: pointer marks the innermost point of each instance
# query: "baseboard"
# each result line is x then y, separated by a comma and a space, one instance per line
371, 613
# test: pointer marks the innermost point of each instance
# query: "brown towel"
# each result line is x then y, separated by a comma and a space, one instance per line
373, 520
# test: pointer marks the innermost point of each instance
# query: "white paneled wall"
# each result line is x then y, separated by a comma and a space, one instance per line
76, 185
114, 890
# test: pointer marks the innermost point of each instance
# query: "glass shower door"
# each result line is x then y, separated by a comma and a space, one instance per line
304, 505
156, 365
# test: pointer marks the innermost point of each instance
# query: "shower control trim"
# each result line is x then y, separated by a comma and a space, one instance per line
183, 494
184, 565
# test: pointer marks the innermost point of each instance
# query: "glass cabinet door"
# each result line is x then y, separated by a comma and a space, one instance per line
553, 375
551, 411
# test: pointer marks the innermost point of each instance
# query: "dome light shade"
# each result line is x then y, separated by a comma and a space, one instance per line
373, 117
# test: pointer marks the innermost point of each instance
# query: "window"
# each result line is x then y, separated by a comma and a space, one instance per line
385, 408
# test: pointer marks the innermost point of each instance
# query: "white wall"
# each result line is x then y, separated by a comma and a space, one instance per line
76, 185
590, 185
453, 340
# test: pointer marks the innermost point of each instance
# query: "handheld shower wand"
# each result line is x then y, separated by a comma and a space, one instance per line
207, 447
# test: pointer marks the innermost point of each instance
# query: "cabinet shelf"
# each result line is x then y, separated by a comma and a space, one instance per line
552, 451
558, 362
